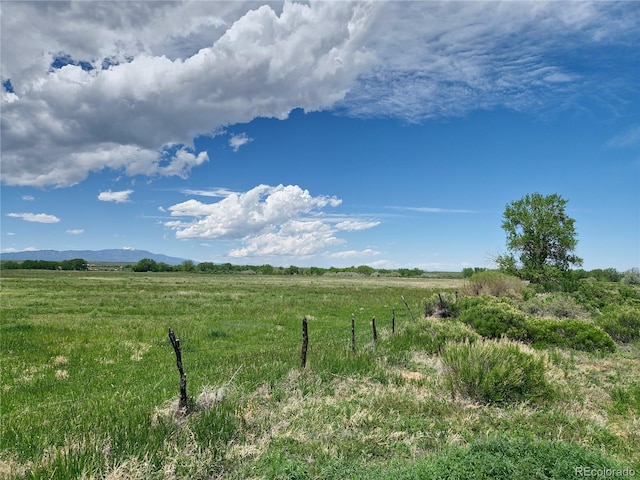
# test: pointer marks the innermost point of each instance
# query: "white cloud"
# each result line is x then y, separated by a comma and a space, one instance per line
368, 252
247, 213
215, 192
355, 225
118, 197
12, 249
236, 141
28, 198
165, 73
628, 138
267, 220
35, 217
433, 210
438, 59
257, 63
75, 231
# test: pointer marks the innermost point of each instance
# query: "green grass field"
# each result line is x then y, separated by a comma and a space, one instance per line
90, 385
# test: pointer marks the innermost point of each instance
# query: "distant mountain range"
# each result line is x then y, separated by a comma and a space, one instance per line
124, 255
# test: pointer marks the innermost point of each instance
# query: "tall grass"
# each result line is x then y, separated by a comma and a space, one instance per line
495, 371
89, 382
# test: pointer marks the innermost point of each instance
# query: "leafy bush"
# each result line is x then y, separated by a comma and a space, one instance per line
494, 371
596, 296
496, 284
558, 306
495, 318
622, 323
574, 334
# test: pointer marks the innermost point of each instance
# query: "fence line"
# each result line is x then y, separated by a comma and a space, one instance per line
330, 345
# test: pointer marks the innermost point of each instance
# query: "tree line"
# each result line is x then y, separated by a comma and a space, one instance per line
73, 264
149, 265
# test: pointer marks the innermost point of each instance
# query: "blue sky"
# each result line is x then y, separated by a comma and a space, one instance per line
328, 133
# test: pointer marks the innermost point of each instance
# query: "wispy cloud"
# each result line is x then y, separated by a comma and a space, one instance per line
214, 192
356, 225
237, 141
117, 197
628, 138
28, 198
35, 217
75, 231
368, 252
432, 209
13, 250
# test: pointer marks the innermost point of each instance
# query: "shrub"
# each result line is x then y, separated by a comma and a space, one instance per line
622, 323
596, 296
494, 371
558, 306
574, 334
631, 277
441, 305
495, 318
496, 284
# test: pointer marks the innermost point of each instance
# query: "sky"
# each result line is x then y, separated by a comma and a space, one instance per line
389, 134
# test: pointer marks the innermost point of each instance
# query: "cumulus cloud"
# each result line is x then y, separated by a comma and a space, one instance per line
117, 197
267, 220
128, 115
236, 141
129, 86
35, 217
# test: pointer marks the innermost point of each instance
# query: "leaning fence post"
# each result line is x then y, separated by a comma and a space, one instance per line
353, 332
407, 305
183, 377
305, 343
375, 332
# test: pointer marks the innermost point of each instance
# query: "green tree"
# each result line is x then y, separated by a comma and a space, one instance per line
146, 265
188, 266
541, 239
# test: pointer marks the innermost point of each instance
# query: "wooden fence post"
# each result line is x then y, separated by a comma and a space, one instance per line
393, 320
305, 343
184, 404
375, 332
353, 332
407, 305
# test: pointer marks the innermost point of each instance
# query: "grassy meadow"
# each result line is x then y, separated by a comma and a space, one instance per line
89, 385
